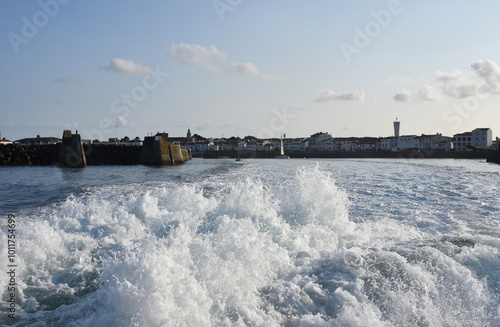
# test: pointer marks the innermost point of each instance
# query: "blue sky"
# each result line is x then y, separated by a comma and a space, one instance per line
240, 67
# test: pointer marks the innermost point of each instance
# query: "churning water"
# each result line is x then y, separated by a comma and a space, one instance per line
256, 243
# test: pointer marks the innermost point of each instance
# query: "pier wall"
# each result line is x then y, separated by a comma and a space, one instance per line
158, 152
71, 153
100, 154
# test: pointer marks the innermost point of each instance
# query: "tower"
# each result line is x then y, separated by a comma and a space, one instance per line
188, 135
396, 128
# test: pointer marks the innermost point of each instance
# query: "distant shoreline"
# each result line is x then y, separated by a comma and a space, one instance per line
47, 155
414, 154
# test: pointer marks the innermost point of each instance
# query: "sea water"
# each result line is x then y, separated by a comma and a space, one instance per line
254, 243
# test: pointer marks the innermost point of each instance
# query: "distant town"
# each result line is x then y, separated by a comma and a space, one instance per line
477, 139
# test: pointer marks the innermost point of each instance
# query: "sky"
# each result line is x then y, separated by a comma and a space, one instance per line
237, 67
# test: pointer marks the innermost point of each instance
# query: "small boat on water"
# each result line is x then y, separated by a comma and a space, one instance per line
282, 155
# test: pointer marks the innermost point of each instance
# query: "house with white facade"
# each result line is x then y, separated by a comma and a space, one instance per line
350, 146
462, 141
389, 143
201, 147
197, 146
252, 145
38, 140
435, 142
4, 141
314, 141
408, 142
481, 138
327, 145
296, 145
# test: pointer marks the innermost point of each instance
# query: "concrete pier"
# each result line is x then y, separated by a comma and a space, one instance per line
156, 151
71, 154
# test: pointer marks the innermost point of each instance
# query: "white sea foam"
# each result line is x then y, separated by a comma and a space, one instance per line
262, 246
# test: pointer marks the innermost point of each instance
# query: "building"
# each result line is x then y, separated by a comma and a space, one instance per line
408, 142
481, 138
495, 145
327, 145
198, 147
435, 142
462, 141
134, 142
389, 143
163, 135
296, 145
315, 140
38, 141
4, 141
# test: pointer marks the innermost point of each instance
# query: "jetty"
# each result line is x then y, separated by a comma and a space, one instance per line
156, 151
72, 152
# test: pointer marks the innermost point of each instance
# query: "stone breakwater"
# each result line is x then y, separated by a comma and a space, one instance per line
98, 154
37, 155
47, 155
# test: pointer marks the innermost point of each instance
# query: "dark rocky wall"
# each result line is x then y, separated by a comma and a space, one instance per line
45, 155
36, 155
99, 154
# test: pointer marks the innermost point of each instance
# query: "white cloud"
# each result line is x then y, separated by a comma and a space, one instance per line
244, 68
489, 72
326, 96
456, 84
428, 93
126, 67
484, 78
207, 58
425, 93
247, 68
403, 96
197, 55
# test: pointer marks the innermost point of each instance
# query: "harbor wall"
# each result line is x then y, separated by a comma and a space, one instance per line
414, 154
100, 154
158, 152
71, 152
35, 155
